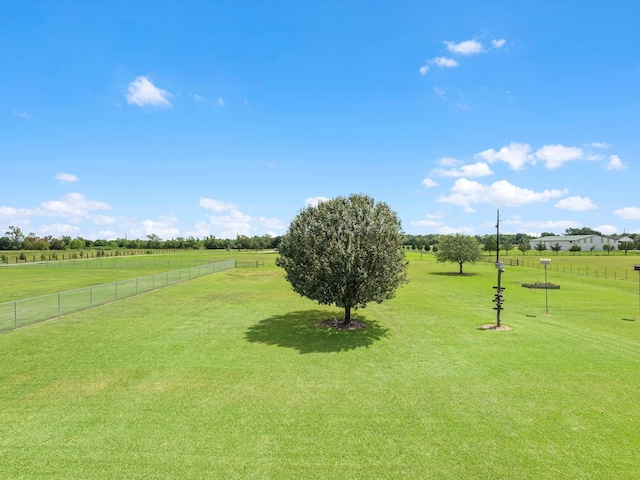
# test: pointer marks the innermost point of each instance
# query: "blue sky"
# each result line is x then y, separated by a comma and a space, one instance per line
225, 118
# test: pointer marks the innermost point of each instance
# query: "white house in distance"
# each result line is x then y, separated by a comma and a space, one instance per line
622, 238
585, 242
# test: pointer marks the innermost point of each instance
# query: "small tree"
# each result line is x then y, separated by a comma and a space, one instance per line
507, 246
524, 246
575, 248
489, 244
607, 248
458, 248
540, 247
345, 252
625, 246
556, 247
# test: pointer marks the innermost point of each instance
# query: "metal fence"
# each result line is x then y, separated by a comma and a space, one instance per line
20, 313
108, 263
601, 272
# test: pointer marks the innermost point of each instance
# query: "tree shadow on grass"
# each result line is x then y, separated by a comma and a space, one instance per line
303, 331
453, 274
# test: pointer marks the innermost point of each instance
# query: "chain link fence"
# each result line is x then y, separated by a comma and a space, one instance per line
25, 312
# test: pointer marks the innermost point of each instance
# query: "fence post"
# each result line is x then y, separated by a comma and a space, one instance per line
15, 314
59, 304
90, 297
116, 290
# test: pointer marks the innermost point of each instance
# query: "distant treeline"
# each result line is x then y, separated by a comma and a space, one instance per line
14, 239
520, 241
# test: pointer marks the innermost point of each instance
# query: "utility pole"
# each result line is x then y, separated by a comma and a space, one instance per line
500, 267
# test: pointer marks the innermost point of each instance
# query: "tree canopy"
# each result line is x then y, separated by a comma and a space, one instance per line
582, 231
345, 252
458, 248
524, 246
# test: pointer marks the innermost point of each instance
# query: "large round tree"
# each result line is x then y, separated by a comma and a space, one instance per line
345, 252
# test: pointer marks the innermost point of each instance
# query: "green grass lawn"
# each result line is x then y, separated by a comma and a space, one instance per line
230, 376
30, 280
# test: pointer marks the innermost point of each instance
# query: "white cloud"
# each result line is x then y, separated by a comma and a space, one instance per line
446, 230
438, 62
468, 47
478, 169
448, 162
599, 145
142, 92
104, 220
498, 43
202, 230
10, 213
72, 205
426, 223
516, 155
607, 229
59, 229
23, 114
199, 98
555, 155
615, 163
216, 205
66, 178
314, 201
232, 224
430, 220
221, 102
628, 213
577, 204
164, 227
227, 220
465, 193
427, 182
541, 226
272, 223
444, 62
107, 234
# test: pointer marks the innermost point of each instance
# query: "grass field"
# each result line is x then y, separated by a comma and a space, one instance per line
230, 376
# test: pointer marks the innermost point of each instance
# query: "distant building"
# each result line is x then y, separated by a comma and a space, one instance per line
585, 242
622, 238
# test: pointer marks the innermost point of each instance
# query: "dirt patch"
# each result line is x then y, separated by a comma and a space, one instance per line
493, 326
338, 325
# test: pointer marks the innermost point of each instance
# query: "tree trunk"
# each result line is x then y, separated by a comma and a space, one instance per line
347, 316
460, 267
